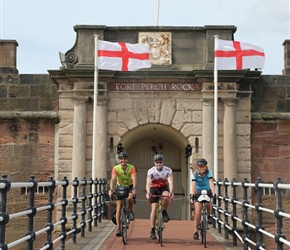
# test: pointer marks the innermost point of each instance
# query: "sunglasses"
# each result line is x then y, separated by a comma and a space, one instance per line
159, 162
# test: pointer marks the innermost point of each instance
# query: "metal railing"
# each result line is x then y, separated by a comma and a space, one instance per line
225, 211
87, 210
88, 207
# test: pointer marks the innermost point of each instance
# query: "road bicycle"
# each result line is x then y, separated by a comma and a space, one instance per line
204, 197
159, 226
122, 192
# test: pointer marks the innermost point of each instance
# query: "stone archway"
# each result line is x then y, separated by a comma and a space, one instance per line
141, 144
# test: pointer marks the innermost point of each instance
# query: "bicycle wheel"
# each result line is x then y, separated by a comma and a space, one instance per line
201, 228
204, 222
124, 225
159, 226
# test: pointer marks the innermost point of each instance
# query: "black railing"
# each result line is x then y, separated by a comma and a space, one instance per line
227, 207
232, 212
87, 210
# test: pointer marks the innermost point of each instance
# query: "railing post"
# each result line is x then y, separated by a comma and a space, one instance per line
63, 212
75, 214
219, 205
84, 212
234, 199
214, 211
279, 219
104, 189
259, 214
90, 208
31, 207
49, 214
226, 210
96, 182
245, 213
3, 210
100, 201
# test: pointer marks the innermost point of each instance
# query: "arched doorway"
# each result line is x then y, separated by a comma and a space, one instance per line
142, 143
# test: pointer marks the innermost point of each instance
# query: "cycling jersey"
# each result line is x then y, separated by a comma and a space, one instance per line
124, 177
202, 183
159, 178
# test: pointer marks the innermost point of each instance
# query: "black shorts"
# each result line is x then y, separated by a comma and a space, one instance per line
157, 191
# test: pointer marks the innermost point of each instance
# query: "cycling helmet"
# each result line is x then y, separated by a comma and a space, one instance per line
158, 157
123, 155
201, 162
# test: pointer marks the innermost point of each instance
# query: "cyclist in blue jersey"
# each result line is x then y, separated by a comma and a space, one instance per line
202, 179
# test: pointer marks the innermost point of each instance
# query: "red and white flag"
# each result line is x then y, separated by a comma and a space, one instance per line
122, 56
236, 55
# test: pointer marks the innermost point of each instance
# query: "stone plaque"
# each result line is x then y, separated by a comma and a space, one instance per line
154, 87
160, 47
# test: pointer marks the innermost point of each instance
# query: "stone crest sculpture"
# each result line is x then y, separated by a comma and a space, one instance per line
160, 47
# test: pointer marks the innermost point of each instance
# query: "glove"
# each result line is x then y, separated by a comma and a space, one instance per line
192, 197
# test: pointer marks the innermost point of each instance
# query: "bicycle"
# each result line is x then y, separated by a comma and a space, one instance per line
204, 197
159, 226
122, 192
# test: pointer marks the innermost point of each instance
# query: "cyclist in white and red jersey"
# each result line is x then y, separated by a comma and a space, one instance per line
159, 181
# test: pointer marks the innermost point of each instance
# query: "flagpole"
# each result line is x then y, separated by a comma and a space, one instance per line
94, 167
215, 150
157, 18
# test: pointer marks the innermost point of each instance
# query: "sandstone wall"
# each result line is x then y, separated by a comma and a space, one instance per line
28, 105
270, 137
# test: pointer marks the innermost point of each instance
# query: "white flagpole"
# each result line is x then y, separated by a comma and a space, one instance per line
215, 150
94, 167
157, 18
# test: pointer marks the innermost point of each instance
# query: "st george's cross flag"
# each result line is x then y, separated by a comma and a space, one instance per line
121, 56
234, 55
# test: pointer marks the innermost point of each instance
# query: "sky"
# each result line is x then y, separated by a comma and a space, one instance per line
45, 28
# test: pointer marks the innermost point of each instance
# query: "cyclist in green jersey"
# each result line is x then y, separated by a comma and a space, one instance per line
123, 174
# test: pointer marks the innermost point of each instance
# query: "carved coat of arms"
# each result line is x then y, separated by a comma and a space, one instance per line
159, 44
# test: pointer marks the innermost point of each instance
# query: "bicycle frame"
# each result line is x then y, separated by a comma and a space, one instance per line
203, 224
159, 225
124, 218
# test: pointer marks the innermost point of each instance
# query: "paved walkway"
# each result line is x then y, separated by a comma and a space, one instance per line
177, 235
